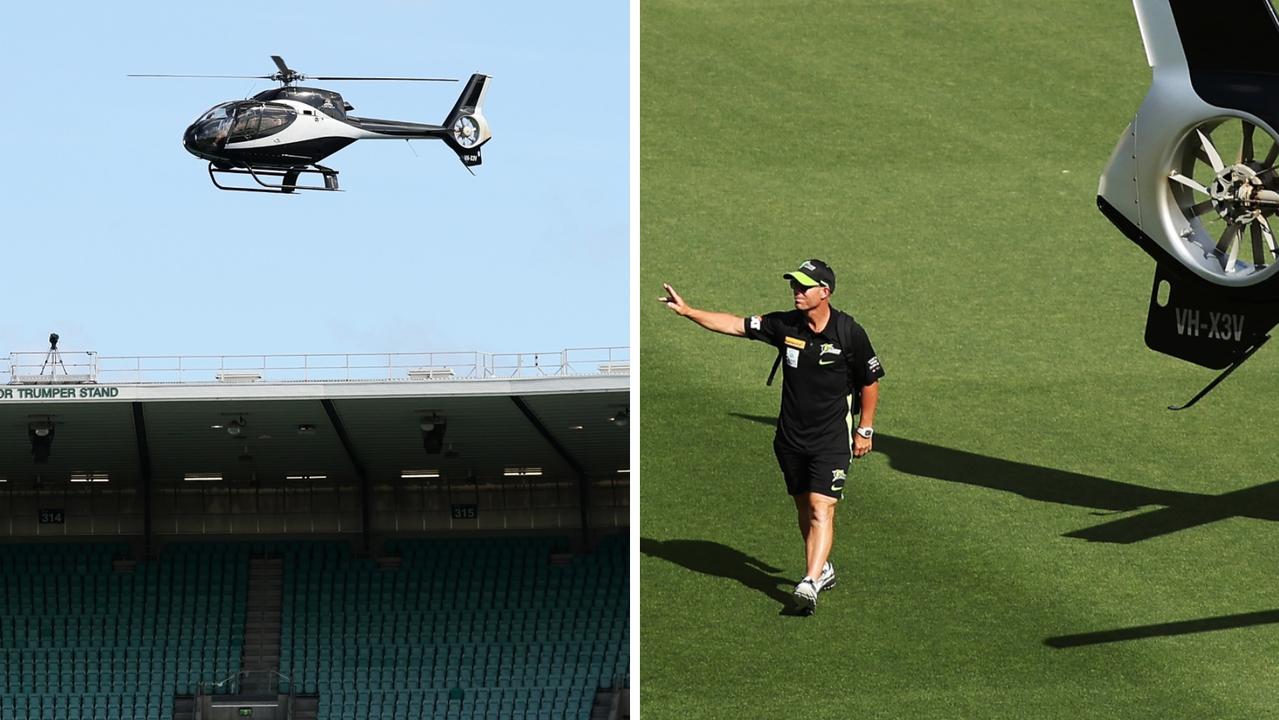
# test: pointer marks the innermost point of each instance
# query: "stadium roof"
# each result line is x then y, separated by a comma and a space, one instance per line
305, 416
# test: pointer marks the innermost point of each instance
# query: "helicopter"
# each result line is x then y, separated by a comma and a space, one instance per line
1193, 180
285, 132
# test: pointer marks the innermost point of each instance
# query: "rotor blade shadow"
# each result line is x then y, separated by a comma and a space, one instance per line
1171, 511
1183, 627
710, 558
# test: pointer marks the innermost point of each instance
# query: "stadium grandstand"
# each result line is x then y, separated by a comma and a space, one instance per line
341, 537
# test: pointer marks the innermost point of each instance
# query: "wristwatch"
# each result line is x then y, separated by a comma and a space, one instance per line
866, 432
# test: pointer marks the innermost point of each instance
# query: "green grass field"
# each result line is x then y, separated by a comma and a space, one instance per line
1035, 535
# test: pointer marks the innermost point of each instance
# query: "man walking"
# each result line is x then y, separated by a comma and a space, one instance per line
829, 367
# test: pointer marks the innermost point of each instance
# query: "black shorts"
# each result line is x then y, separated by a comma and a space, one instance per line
823, 474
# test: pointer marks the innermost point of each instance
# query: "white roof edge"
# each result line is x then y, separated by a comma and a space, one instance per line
14, 394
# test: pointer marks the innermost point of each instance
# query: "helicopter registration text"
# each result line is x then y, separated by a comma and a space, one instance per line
1212, 325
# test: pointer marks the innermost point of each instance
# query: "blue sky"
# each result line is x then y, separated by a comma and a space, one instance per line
115, 238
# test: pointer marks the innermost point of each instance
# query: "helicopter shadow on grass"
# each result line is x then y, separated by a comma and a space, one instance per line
1169, 629
1174, 511
1167, 511
711, 558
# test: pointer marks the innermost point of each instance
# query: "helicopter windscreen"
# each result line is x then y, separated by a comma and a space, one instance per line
211, 128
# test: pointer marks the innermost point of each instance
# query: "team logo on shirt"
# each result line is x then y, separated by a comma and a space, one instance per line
873, 364
827, 349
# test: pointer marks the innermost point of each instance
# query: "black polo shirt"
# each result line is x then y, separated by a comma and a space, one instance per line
817, 374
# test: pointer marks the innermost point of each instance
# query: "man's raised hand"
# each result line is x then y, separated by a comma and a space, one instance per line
673, 300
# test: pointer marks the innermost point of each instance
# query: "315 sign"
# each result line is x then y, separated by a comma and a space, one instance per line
465, 512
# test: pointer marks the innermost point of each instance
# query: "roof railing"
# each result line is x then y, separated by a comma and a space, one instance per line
34, 368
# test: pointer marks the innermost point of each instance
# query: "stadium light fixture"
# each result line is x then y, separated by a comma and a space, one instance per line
433, 429
306, 477
522, 472
82, 477
41, 435
202, 477
621, 418
418, 474
236, 426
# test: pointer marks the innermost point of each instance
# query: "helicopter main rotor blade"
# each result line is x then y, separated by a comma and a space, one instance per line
279, 62
236, 77
407, 79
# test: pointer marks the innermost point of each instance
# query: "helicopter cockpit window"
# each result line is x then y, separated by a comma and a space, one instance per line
211, 128
217, 112
258, 121
275, 119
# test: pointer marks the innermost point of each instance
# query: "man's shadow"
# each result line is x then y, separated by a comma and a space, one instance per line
1170, 510
709, 558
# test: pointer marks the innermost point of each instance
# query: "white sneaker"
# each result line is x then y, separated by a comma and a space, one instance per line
806, 595
827, 580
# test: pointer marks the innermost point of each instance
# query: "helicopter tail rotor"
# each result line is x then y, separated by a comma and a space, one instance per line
466, 127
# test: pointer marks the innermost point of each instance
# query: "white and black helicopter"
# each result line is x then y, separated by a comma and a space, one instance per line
285, 132
1194, 183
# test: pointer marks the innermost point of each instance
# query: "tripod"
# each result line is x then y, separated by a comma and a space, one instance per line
53, 358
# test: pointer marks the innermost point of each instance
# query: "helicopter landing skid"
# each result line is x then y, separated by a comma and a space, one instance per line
288, 178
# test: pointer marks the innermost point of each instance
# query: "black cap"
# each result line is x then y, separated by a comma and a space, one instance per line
812, 273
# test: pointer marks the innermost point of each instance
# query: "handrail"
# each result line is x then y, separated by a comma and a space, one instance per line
202, 686
89, 367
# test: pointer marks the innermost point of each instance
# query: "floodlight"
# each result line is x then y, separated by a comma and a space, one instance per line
433, 429
41, 436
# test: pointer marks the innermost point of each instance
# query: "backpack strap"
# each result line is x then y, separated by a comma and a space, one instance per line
776, 364
844, 334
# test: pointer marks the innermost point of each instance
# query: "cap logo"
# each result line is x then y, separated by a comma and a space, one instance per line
808, 266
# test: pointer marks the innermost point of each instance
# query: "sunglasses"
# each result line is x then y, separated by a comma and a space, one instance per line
797, 286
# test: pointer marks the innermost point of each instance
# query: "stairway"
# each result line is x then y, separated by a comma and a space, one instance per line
260, 658
305, 707
603, 704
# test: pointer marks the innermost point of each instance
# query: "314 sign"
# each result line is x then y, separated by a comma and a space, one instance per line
52, 516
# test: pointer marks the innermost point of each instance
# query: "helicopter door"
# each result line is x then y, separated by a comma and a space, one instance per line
258, 121
245, 124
